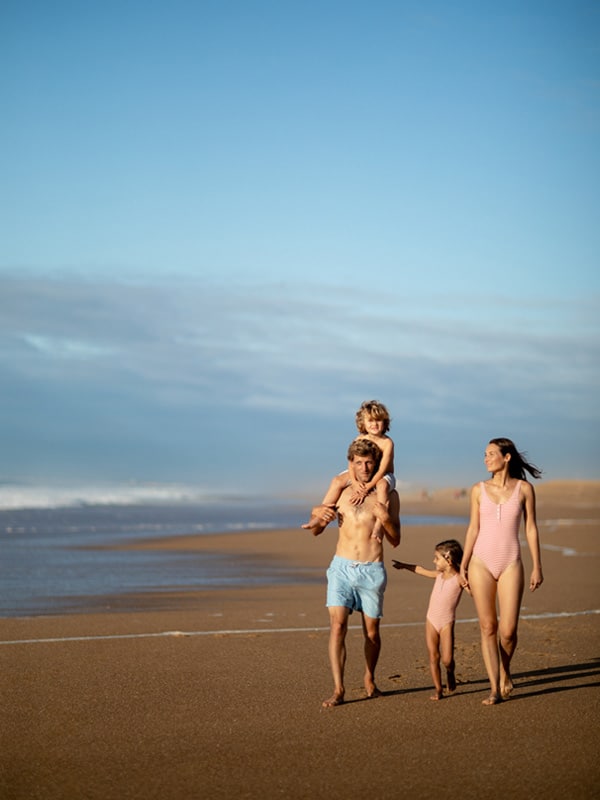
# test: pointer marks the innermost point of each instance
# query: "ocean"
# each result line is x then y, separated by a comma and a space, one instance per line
57, 558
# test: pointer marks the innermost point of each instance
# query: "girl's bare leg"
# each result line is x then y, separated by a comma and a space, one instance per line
483, 588
432, 639
447, 654
510, 594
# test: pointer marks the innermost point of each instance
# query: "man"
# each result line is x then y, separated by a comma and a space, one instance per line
356, 577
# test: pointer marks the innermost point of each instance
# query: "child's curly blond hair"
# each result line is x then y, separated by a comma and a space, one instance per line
374, 409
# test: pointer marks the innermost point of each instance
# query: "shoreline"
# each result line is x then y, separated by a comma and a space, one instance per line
197, 561
217, 694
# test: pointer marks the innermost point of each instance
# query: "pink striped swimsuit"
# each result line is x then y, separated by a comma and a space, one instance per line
443, 601
497, 544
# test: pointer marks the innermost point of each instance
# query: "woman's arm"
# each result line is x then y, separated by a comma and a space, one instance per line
532, 535
472, 534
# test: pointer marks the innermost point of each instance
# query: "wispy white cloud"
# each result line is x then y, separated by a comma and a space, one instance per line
156, 352
270, 342
58, 347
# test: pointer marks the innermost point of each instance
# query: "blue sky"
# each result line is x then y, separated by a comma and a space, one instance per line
225, 225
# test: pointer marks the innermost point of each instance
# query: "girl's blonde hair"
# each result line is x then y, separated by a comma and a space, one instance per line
374, 409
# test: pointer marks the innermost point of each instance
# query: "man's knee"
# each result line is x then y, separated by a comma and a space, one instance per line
338, 625
371, 632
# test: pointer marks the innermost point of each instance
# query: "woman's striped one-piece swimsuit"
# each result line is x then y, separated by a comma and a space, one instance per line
497, 543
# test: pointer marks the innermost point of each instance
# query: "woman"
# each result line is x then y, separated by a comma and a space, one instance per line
492, 566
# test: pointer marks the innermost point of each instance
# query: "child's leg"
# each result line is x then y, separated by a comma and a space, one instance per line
433, 647
447, 654
336, 487
382, 490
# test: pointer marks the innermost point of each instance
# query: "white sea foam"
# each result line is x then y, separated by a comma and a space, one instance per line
14, 497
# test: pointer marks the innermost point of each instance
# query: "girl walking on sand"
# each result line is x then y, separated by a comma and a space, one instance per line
441, 613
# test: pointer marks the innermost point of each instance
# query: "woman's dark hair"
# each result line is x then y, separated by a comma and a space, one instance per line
518, 464
452, 551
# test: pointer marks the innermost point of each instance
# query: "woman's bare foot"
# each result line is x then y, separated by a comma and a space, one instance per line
312, 523
336, 699
492, 700
506, 686
439, 695
450, 680
370, 688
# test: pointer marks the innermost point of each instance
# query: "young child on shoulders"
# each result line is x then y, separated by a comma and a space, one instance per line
441, 613
373, 422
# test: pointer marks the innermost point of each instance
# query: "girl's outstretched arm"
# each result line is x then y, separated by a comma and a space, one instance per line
426, 573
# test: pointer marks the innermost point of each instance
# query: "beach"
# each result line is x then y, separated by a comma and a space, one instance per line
217, 693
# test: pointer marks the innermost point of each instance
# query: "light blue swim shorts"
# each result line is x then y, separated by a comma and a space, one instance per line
357, 585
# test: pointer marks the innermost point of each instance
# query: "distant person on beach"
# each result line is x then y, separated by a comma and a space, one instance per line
492, 565
373, 423
441, 614
356, 578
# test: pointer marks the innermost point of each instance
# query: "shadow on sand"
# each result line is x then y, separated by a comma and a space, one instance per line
563, 678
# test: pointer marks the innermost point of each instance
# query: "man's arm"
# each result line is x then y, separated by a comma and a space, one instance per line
390, 519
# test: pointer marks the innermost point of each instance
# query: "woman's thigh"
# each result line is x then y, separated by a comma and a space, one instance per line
484, 590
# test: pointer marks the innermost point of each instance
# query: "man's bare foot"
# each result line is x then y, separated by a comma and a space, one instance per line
439, 695
450, 680
336, 699
492, 700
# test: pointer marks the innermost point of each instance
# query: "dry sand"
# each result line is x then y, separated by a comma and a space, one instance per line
218, 694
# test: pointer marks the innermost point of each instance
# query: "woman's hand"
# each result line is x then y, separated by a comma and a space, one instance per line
536, 579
